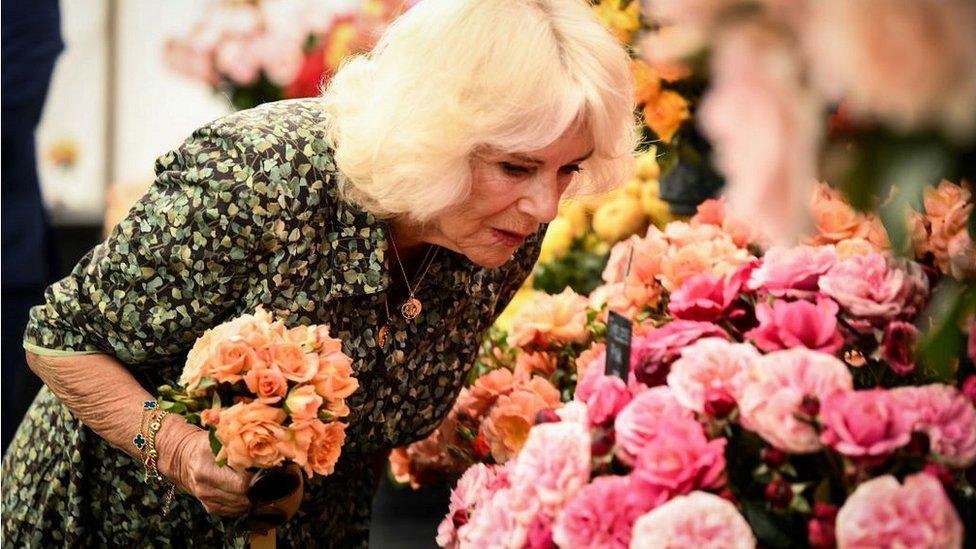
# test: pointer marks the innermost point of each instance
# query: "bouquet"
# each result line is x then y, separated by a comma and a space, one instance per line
778, 396
270, 396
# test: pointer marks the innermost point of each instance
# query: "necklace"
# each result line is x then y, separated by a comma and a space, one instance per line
412, 307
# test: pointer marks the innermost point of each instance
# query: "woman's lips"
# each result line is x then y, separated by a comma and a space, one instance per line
509, 238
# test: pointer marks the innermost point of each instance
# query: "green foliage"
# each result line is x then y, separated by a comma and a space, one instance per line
580, 269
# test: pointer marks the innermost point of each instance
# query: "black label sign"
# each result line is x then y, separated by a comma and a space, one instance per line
618, 345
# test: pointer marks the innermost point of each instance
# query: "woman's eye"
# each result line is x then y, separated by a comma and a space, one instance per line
514, 169
573, 168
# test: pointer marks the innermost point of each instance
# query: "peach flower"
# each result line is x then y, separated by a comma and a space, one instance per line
883, 513
267, 383
337, 408
477, 399
509, 421
718, 257
334, 379
303, 403
641, 255
294, 363
836, 221
326, 446
778, 384
210, 417
250, 434
550, 319
699, 519
947, 208
233, 357
539, 362
962, 256
665, 113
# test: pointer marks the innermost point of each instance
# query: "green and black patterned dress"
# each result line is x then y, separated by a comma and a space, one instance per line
244, 213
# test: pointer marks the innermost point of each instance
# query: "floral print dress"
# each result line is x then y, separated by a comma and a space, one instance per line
244, 213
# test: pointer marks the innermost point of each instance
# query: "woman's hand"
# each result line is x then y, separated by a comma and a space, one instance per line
186, 459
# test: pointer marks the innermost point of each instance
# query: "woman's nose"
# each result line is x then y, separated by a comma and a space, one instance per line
542, 200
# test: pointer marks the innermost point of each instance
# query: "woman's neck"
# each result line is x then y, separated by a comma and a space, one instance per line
409, 240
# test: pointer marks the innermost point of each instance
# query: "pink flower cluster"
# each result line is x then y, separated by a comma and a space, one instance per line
289, 387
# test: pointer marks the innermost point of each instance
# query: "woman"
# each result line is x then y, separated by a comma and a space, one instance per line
449, 146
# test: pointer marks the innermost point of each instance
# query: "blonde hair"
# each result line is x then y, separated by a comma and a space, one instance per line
450, 76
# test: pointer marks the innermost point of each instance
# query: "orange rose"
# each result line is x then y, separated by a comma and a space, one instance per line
507, 425
233, 358
545, 390
647, 85
267, 383
540, 362
400, 465
337, 408
334, 378
326, 447
250, 434
550, 319
294, 363
303, 403
835, 220
947, 208
475, 400
665, 114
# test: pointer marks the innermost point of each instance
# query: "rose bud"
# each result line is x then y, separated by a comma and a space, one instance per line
547, 415
774, 457
603, 444
825, 512
719, 403
820, 534
480, 446
779, 493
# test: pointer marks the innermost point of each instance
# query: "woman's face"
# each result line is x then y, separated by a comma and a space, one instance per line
511, 195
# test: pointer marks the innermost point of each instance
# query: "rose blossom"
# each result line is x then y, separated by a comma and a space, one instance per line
493, 524
250, 434
210, 417
508, 423
793, 272
554, 464
946, 416
679, 459
837, 222
875, 289
334, 379
327, 441
550, 319
303, 403
898, 346
539, 535
788, 324
604, 395
266, 383
294, 363
652, 354
781, 380
883, 513
642, 255
704, 297
699, 519
710, 363
638, 422
718, 256
600, 516
233, 357
475, 487
865, 423
574, 411
540, 362
768, 175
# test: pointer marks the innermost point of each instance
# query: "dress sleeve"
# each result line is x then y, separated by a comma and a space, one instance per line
171, 269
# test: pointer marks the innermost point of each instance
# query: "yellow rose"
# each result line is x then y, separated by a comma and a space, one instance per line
618, 219
633, 188
656, 209
559, 237
665, 114
622, 23
647, 166
575, 213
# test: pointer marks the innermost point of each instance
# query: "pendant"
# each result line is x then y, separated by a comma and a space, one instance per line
411, 308
381, 335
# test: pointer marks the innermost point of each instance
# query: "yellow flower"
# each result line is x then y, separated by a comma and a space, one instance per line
559, 237
655, 208
575, 212
621, 22
666, 113
522, 296
647, 166
619, 218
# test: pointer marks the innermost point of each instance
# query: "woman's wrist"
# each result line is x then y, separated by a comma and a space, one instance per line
170, 443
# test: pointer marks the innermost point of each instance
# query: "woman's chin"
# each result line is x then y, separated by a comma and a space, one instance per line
491, 259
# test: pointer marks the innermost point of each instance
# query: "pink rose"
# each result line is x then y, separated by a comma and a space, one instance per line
250, 435
883, 513
554, 464
898, 346
267, 383
493, 524
638, 422
770, 174
604, 395
947, 416
710, 364
237, 59
704, 297
969, 388
539, 535
599, 516
779, 384
475, 487
651, 355
699, 519
863, 424
303, 403
788, 324
793, 272
550, 319
874, 289
295, 364
679, 458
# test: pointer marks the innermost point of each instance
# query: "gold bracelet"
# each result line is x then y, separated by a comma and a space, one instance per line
151, 457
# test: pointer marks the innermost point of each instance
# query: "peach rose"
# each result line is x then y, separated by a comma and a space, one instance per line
475, 400
303, 403
334, 379
400, 465
196, 367
947, 208
962, 256
210, 417
507, 425
336, 408
250, 434
233, 358
295, 364
539, 362
550, 319
719, 257
267, 383
326, 446
665, 113
642, 255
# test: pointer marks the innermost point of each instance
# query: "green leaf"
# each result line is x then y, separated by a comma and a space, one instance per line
206, 383
765, 526
215, 444
942, 341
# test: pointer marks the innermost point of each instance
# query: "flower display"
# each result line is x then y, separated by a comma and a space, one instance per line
698, 519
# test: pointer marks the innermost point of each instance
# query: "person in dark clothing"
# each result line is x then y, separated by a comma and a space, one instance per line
31, 43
